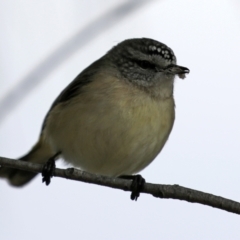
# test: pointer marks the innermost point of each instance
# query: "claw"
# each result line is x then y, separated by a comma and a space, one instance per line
48, 169
137, 185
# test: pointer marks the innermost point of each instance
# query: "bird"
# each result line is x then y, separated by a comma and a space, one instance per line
113, 119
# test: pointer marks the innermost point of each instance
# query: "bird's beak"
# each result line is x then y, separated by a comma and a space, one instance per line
178, 70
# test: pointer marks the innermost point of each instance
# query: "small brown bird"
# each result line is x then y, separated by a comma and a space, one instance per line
114, 118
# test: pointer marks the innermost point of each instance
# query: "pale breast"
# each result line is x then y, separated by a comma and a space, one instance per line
110, 129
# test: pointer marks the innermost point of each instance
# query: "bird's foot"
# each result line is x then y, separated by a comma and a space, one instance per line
137, 185
48, 170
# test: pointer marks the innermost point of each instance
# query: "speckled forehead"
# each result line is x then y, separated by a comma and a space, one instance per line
162, 50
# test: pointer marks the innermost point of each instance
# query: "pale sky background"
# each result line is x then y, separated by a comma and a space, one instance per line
203, 151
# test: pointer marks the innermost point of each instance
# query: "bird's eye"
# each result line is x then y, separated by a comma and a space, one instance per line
145, 64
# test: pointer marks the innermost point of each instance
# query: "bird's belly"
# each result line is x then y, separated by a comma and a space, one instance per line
111, 139
114, 151
114, 145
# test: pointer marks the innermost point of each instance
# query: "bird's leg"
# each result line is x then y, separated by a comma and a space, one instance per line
48, 169
136, 186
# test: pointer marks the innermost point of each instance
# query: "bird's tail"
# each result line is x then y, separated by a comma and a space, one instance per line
40, 153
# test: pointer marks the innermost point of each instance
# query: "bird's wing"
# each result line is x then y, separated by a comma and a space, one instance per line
74, 88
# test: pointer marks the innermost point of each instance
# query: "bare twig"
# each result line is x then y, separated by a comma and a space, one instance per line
157, 190
81, 38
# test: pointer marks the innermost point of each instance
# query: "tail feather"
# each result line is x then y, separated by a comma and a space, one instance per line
40, 153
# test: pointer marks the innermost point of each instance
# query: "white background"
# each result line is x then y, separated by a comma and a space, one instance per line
203, 151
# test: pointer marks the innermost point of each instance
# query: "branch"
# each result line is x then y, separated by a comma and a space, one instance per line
81, 38
157, 190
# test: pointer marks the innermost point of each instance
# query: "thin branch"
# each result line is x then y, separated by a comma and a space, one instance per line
157, 190
81, 38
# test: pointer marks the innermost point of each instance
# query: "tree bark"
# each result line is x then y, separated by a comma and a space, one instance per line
156, 190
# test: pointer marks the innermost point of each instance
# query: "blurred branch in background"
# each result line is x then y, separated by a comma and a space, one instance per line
80, 39
157, 190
